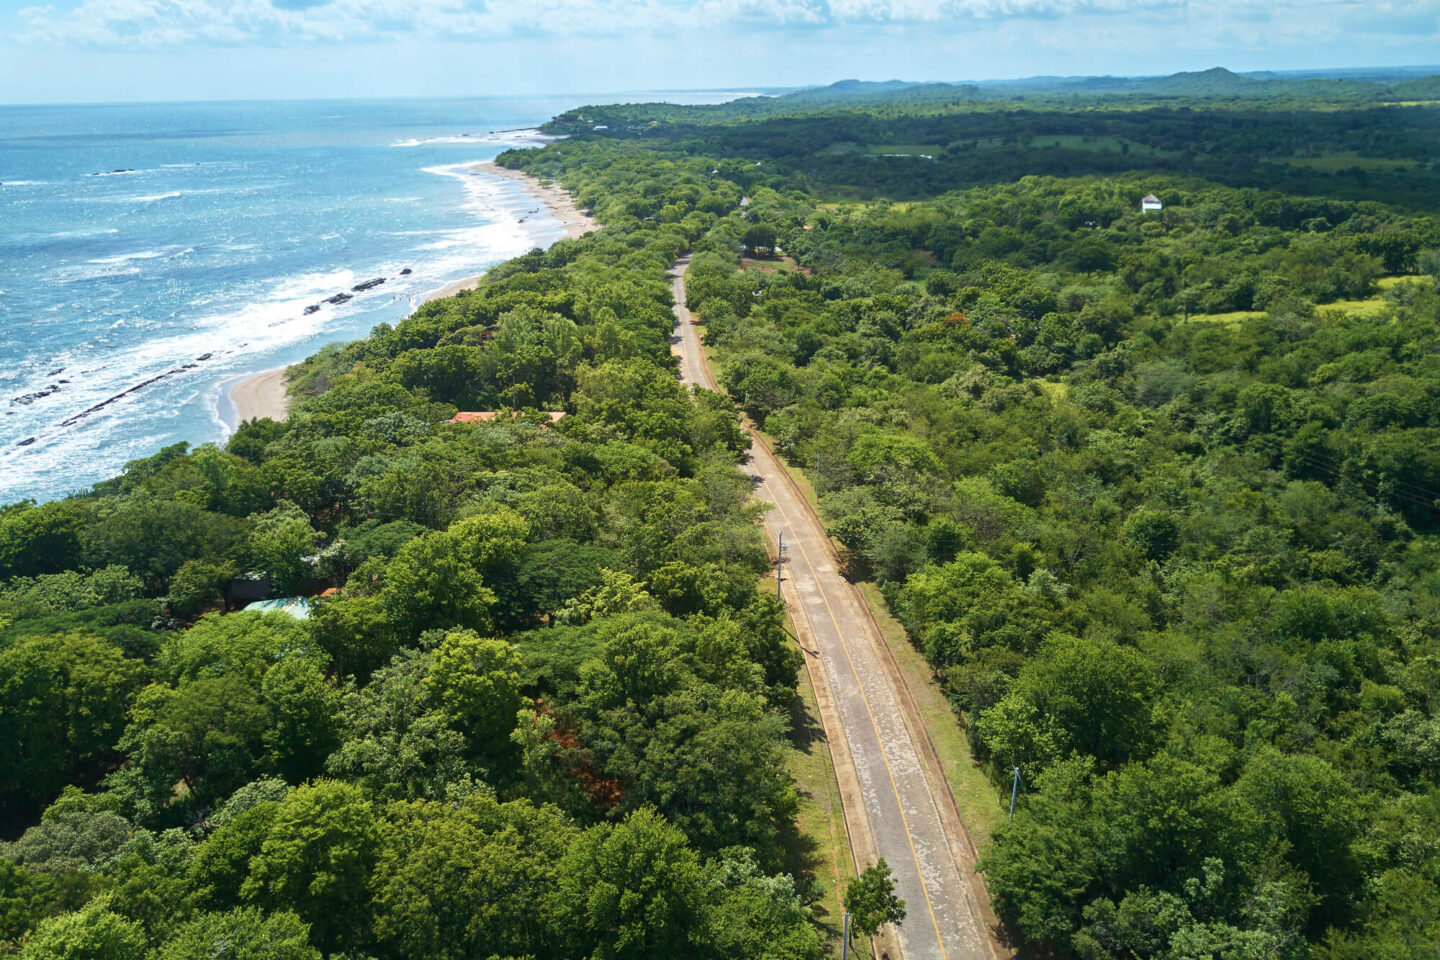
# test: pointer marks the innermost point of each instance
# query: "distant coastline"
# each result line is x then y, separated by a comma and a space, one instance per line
264, 394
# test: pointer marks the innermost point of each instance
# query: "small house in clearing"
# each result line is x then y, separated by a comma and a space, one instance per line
1150, 202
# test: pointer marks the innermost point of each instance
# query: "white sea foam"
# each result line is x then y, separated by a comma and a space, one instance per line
420, 142
509, 138
22, 183
240, 326
255, 319
79, 274
133, 198
66, 234
139, 255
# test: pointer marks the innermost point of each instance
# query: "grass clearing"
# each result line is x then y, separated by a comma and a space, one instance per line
928, 151
1054, 392
1235, 316
1371, 307
1368, 307
1348, 161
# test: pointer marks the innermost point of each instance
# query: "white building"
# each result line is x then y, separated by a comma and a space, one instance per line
1151, 202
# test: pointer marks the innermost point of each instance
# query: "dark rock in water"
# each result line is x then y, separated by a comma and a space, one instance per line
406, 272
30, 398
56, 372
368, 285
339, 298
62, 381
26, 442
205, 356
313, 308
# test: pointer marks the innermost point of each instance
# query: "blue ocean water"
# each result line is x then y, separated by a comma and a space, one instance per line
155, 253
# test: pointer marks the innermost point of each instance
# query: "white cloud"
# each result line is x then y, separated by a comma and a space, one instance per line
157, 24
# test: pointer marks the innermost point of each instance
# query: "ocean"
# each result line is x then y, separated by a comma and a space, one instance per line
151, 255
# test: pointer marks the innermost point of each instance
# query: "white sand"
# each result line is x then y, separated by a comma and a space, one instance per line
260, 395
559, 204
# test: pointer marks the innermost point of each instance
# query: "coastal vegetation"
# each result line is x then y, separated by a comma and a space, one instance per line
1155, 494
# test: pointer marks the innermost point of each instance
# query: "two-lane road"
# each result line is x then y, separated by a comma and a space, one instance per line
900, 816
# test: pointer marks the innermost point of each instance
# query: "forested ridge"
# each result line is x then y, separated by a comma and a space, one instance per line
1155, 494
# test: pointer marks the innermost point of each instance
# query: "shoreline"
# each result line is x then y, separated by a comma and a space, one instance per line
262, 394
558, 205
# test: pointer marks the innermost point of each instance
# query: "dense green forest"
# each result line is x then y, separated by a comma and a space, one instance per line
545, 717
1344, 139
1155, 494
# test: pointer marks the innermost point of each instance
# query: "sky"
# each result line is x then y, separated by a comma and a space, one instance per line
128, 50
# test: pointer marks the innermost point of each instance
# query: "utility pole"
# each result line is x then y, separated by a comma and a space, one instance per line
845, 948
1014, 789
779, 558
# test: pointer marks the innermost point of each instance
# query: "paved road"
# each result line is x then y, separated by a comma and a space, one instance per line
901, 818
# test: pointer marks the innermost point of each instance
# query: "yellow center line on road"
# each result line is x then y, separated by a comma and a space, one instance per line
702, 363
904, 821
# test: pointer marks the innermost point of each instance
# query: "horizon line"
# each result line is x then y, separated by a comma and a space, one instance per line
740, 89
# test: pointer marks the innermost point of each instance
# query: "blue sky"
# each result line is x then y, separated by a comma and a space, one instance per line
109, 50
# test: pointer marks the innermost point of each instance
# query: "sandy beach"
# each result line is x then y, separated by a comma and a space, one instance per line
259, 395
558, 205
263, 394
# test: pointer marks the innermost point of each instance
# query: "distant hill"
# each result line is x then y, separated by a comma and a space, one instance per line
1426, 88
1217, 81
1220, 83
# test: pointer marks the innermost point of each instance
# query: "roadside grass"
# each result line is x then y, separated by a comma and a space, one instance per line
982, 809
819, 850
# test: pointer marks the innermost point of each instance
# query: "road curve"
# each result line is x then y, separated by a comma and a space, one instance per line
901, 815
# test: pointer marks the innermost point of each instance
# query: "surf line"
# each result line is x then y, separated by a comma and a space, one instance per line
76, 418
